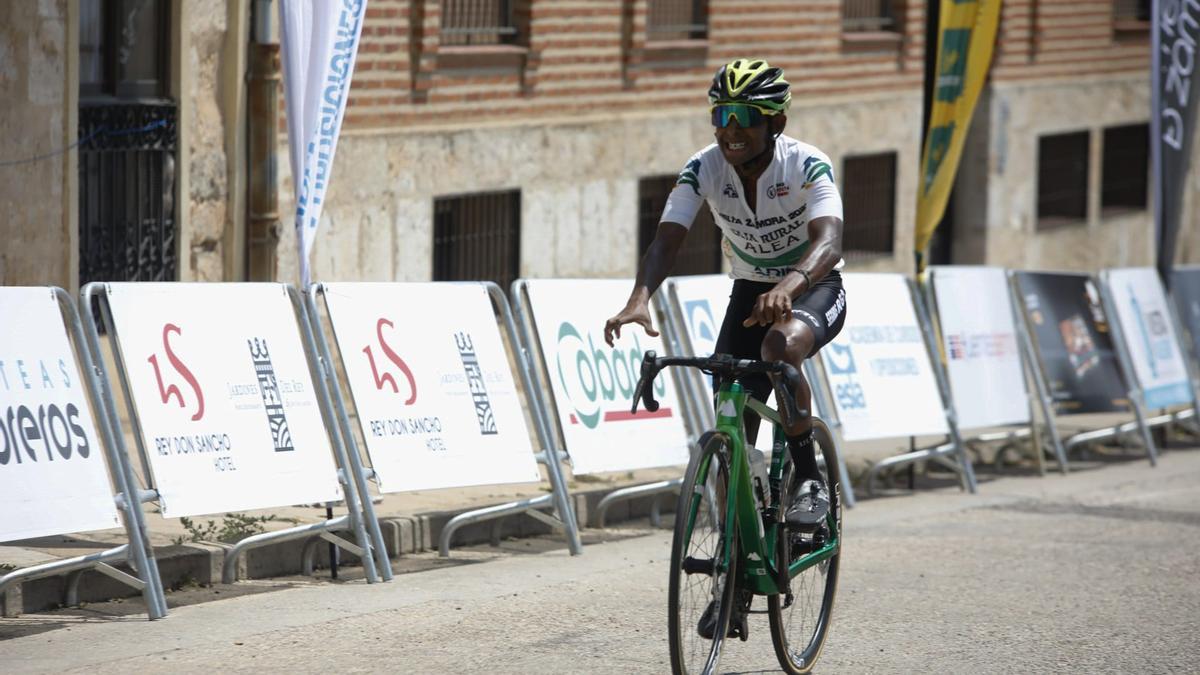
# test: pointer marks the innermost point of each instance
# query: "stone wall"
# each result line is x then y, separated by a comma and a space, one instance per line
996, 192
35, 224
578, 180
202, 143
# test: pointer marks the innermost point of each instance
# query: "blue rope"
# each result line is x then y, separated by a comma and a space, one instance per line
102, 131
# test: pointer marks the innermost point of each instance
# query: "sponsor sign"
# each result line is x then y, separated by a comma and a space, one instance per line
53, 478
432, 385
593, 384
1141, 308
1185, 291
979, 346
878, 367
703, 300
1072, 339
222, 390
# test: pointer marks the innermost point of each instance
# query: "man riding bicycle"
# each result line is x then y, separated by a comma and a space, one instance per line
780, 214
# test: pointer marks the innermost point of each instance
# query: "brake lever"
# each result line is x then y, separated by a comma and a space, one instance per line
645, 385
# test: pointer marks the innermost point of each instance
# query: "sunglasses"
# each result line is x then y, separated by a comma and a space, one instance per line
746, 115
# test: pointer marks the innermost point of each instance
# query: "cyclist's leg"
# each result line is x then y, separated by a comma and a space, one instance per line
817, 317
745, 343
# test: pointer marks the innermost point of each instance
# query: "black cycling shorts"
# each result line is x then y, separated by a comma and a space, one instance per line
823, 308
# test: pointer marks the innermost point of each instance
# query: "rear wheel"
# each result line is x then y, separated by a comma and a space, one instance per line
800, 618
703, 560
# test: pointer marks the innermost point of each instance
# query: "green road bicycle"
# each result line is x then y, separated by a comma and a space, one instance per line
731, 542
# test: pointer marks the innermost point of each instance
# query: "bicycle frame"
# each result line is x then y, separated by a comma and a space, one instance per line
758, 530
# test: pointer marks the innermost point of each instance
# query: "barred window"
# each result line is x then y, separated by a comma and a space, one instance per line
869, 15
1062, 180
701, 252
477, 237
869, 206
1126, 164
677, 19
478, 22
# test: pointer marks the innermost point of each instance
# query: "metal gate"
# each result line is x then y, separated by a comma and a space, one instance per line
127, 228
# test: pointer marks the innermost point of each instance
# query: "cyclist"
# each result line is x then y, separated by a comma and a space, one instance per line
780, 213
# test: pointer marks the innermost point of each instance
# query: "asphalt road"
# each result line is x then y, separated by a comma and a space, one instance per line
1096, 571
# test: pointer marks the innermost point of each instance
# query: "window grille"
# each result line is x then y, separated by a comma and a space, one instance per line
1126, 164
868, 15
478, 22
701, 251
127, 143
677, 19
869, 206
477, 237
1062, 180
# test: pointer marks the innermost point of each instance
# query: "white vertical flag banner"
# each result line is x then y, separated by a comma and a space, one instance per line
319, 43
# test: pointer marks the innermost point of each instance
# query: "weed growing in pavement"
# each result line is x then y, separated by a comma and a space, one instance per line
233, 528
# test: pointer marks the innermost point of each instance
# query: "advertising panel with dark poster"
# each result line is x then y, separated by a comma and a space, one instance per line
1185, 291
1073, 341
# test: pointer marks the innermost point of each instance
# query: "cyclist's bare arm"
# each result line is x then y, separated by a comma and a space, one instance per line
656, 265
824, 252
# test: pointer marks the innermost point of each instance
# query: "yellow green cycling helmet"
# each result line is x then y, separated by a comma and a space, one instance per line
751, 81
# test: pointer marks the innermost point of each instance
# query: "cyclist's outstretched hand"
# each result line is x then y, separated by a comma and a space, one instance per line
638, 313
774, 305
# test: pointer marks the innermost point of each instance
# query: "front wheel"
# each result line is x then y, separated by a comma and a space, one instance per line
703, 560
800, 618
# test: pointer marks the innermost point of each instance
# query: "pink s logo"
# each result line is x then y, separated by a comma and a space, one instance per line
387, 378
172, 391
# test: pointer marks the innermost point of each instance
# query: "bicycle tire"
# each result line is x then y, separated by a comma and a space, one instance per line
788, 629
690, 592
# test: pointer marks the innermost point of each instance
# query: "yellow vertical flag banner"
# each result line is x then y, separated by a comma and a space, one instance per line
966, 36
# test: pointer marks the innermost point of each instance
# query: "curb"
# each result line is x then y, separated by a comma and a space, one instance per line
200, 563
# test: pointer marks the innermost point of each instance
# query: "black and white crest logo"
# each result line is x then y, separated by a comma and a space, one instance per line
483, 405
268, 385
730, 191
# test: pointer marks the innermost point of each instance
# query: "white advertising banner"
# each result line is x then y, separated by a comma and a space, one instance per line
703, 300
593, 384
319, 44
979, 340
222, 389
878, 367
432, 385
53, 478
1150, 336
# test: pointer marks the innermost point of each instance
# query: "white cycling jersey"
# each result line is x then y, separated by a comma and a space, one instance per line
796, 187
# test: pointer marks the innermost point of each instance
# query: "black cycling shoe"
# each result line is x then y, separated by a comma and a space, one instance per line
810, 507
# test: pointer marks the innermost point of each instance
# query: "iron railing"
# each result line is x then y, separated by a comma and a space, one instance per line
1062, 179
477, 22
677, 19
701, 252
868, 15
477, 237
869, 206
127, 229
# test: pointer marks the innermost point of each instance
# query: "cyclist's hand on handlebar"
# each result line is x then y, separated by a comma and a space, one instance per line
638, 313
772, 306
